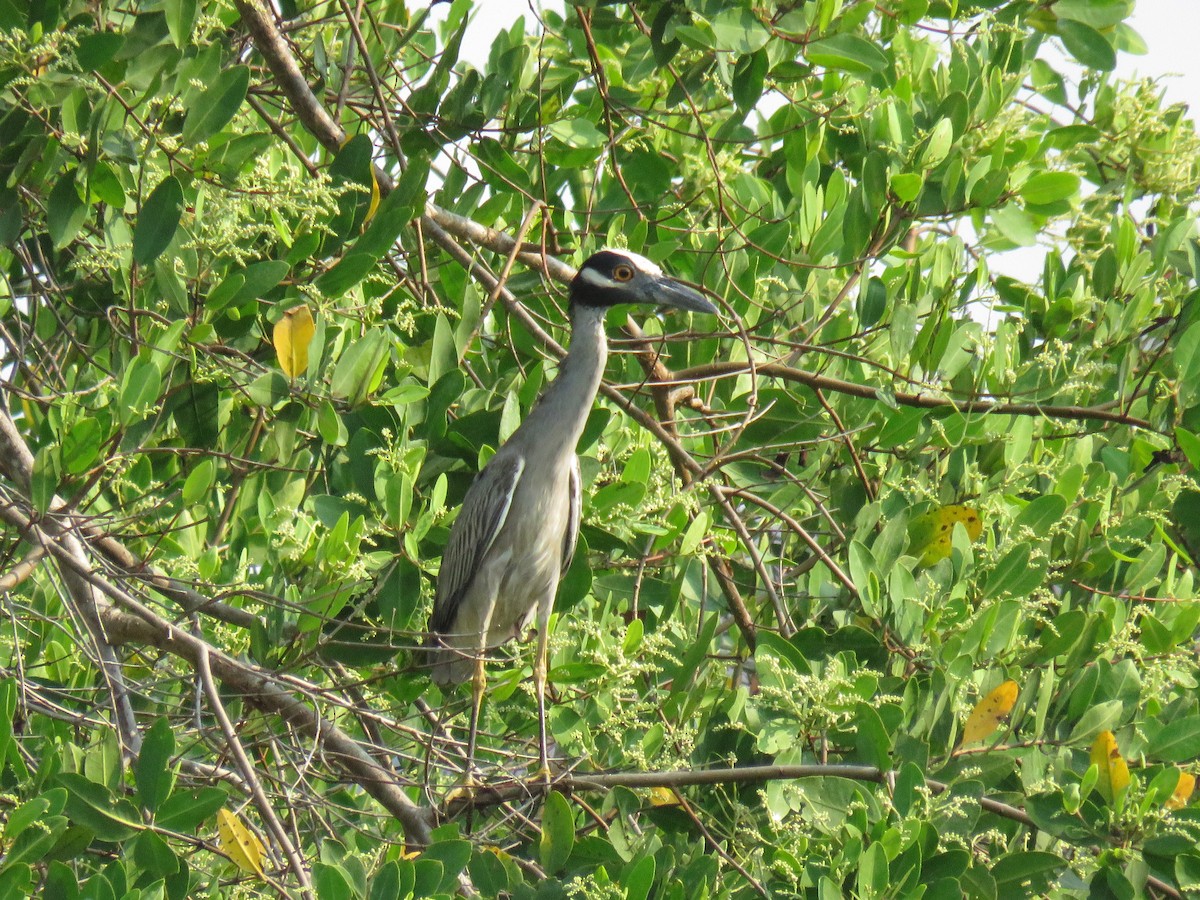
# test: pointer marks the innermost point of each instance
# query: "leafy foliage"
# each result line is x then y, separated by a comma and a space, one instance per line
219, 550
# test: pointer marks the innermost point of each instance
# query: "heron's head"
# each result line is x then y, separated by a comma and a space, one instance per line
610, 277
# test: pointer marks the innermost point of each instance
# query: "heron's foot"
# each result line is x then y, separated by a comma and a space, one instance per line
466, 792
543, 779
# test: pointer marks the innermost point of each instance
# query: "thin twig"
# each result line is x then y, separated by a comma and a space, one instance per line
261, 802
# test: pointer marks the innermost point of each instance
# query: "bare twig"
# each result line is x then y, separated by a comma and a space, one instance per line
249, 774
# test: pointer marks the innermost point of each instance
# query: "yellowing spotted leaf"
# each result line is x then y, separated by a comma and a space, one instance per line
240, 843
661, 796
988, 713
1114, 774
1183, 791
930, 534
291, 337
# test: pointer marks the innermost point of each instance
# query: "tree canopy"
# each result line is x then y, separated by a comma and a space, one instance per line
886, 579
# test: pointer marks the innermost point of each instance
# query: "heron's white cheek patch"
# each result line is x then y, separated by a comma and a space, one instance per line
595, 279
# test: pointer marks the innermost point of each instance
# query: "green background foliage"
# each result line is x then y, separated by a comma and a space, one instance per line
215, 578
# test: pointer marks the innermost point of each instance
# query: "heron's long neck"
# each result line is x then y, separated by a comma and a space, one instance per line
562, 411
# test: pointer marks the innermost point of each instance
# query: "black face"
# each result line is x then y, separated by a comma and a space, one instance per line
610, 277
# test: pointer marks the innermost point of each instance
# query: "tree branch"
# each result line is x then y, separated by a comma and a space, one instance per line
817, 382
131, 621
489, 795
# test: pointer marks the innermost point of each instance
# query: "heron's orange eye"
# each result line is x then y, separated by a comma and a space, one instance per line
623, 273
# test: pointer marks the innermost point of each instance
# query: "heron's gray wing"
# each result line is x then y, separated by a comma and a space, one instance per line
484, 511
571, 536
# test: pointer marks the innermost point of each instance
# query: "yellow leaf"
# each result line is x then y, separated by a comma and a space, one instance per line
929, 534
240, 843
1114, 774
292, 336
374, 198
1183, 791
988, 712
661, 796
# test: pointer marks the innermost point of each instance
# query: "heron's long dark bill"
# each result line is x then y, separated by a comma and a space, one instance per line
668, 292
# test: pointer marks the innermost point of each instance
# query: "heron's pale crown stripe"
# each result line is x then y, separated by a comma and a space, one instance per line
639, 261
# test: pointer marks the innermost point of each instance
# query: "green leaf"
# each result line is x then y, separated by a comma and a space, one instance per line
196, 410
1041, 514
352, 165
872, 742
639, 879
92, 805
268, 389
1088, 46
847, 52
1029, 872
25, 815
906, 186
256, 280
16, 882
1177, 741
181, 19
737, 29
35, 844
222, 295
153, 770
65, 212
578, 133
938, 145
748, 78
46, 475
348, 272
1187, 363
385, 882
97, 49
8, 706
1190, 445
1104, 716
139, 389
1049, 187
1096, 13
157, 221
184, 811
784, 650
873, 877
358, 372
197, 484
558, 833
398, 208
154, 855
453, 856
331, 883
1009, 571
217, 106
1015, 224
81, 446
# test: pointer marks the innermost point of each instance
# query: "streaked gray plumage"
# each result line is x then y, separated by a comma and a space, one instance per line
516, 531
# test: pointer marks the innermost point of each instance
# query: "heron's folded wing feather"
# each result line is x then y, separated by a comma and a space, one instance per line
484, 511
571, 536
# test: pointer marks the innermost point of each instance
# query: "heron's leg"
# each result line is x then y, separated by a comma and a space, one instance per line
540, 667
478, 684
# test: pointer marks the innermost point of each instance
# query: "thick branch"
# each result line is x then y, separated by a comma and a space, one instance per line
817, 382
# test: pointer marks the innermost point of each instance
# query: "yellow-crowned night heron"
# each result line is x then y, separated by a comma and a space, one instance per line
515, 534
